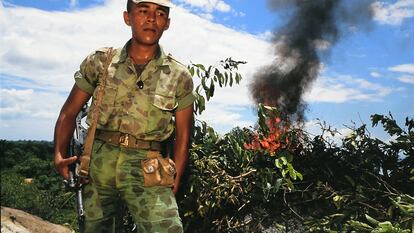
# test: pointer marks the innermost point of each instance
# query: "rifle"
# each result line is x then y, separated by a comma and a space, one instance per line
74, 183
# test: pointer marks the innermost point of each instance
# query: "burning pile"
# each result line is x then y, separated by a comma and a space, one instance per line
273, 141
275, 135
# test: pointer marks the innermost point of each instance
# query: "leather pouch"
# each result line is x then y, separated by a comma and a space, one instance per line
167, 170
152, 176
158, 172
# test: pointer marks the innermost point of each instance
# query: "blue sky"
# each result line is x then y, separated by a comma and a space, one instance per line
370, 70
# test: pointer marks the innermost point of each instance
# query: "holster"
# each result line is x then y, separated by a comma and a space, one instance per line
157, 170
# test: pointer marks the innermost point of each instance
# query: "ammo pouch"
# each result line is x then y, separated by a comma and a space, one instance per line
158, 171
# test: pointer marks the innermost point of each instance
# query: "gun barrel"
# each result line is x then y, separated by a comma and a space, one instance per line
81, 211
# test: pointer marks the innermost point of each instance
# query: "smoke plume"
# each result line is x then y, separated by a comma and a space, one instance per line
313, 28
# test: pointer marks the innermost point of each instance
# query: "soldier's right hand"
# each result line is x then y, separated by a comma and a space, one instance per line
62, 166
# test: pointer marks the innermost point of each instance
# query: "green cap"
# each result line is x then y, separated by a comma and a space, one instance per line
166, 3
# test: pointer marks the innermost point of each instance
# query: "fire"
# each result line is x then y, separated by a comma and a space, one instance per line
274, 140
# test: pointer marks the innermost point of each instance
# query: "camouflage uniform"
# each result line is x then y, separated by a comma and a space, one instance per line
146, 114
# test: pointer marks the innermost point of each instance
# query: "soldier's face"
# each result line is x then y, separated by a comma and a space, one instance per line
147, 21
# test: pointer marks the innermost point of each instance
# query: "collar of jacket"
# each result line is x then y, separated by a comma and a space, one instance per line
160, 60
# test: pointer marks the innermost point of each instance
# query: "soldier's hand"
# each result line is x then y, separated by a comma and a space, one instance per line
62, 166
176, 187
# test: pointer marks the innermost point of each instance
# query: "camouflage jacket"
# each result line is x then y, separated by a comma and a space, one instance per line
145, 113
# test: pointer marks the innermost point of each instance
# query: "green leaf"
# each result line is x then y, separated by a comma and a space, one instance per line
239, 149
386, 225
201, 104
375, 119
299, 175
278, 184
359, 225
292, 172
192, 70
372, 220
217, 75
278, 164
284, 172
289, 184
201, 67
198, 73
284, 160
203, 83
238, 78
211, 89
189, 213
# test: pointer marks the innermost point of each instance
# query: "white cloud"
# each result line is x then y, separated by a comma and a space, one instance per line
28, 103
73, 3
404, 68
208, 5
207, 16
267, 35
26, 129
375, 74
407, 79
241, 14
407, 71
51, 48
393, 14
345, 88
224, 116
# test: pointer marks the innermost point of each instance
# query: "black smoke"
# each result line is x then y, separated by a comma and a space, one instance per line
313, 28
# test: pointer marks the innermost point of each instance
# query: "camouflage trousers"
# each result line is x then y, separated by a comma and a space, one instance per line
116, 179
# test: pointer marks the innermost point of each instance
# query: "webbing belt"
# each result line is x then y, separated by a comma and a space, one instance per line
127, 140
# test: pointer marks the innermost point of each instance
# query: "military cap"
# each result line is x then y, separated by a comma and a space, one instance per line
166, 3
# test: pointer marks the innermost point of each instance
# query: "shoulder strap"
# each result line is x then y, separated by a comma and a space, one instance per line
83, 169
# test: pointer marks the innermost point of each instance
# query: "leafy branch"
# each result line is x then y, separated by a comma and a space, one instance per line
225, 74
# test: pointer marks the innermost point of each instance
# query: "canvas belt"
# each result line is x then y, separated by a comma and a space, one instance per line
127, 140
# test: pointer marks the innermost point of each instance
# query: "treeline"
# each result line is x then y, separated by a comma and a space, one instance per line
16, 152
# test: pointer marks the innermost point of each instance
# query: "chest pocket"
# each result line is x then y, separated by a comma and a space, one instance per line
164, 94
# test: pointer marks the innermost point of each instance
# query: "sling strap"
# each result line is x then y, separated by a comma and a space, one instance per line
83, 169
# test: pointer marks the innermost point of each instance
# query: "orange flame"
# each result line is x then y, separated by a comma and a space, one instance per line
274, 141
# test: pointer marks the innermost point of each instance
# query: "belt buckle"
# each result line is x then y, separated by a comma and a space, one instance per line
124, 140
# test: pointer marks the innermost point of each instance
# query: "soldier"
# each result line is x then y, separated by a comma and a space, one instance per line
145, 90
